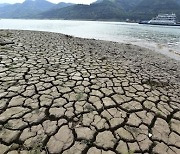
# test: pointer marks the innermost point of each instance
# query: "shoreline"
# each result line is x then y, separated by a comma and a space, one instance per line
64, 94
69, 19
162, 47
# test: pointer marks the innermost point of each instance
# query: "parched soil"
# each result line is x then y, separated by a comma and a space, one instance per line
65, 95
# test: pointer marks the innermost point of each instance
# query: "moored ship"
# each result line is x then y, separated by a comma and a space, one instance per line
163, 19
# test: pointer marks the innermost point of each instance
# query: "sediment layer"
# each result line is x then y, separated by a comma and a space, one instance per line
61, 94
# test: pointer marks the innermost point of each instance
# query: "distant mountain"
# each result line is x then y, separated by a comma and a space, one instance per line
116, 10
178, 1
134, 10
157, 6
3, 4
98, 1
149, 8
124, 4
106, 10
62, 5
127, 5
27, 9
8, 10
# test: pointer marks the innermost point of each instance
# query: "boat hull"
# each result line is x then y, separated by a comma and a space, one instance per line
162, 24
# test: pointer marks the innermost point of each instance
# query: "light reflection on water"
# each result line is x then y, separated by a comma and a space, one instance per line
161, 38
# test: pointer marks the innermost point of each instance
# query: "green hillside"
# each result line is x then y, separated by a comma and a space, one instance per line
150, 8
96, 11
118, 10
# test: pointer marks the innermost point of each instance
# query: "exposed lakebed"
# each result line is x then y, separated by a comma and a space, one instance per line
61, 94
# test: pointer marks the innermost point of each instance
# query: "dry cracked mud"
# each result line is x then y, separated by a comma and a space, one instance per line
65, 95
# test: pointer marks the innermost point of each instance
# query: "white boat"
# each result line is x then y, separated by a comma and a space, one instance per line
163, 19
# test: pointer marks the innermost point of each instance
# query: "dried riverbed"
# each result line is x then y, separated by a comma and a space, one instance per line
60, 94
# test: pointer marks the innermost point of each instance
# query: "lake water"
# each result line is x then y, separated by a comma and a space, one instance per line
164, 39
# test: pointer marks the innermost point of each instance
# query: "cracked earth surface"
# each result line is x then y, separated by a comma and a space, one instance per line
60, 94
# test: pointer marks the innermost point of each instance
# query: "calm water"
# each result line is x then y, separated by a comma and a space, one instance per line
164, 39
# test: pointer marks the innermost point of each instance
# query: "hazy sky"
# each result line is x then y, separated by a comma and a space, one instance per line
53, 1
